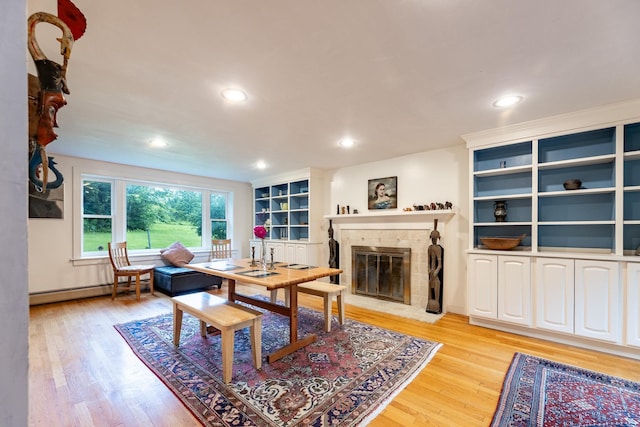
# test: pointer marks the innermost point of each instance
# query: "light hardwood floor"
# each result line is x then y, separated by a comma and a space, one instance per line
82, 373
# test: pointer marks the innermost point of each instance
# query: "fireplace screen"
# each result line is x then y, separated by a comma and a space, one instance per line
382, 272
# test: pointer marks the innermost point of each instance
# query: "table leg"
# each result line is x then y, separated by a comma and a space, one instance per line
231, 290
177, 324
293, 313
294, 343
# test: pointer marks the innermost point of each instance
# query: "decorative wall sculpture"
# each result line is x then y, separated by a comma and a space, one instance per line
46, 97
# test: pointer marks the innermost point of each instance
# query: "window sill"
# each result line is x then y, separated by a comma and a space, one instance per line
144, 258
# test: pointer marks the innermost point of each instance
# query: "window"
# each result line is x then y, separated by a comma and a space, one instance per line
218, 215
97, 217
149, 215
157, 217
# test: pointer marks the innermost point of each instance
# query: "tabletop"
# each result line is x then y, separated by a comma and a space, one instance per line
281, 276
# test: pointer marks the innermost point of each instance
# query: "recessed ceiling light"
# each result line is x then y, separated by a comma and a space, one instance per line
346, 142
235, 95
158, 142
507, 101
261, 164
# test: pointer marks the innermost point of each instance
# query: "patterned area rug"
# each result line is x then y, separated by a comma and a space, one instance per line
345, 378
539, 392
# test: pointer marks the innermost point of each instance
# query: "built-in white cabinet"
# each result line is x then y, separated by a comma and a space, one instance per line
598, 311
554, 290
482, 293
514, 289
580, 241
501, 288
601, 215
297, 253
580, 297
290, 252
633, 304
291, 205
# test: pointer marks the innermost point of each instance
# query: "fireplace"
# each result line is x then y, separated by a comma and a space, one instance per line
393, 230
381, 272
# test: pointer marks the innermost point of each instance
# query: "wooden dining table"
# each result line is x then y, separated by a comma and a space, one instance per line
281, 275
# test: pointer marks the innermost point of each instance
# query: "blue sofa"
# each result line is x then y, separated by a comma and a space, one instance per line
174, 281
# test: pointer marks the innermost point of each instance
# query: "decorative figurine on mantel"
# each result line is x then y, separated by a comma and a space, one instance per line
435, 255
334, 255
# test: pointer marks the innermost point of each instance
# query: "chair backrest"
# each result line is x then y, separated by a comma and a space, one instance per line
220, 248
118, 255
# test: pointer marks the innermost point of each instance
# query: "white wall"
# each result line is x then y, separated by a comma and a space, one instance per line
433, 176
51, 249
14, 308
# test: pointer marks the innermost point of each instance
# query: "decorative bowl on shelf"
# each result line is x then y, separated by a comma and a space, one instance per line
572, 184
502, 243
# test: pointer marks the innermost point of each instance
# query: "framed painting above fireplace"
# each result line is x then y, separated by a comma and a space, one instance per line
383, 193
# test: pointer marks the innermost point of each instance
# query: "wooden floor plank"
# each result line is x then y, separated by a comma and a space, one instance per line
82, 371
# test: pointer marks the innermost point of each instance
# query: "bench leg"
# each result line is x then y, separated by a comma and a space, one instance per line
340, 303
256, 342
203, 329
274, 297
177, 324
327, 312
227, 336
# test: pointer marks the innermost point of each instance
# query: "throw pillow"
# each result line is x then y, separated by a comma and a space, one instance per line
177, 255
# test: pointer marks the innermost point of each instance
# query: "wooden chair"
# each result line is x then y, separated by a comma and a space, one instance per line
220, 248
122, 268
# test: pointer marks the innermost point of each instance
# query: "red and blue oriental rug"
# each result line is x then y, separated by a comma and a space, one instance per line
539, 392
345, 378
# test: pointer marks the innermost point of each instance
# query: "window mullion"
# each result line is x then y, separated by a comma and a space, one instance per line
206, 219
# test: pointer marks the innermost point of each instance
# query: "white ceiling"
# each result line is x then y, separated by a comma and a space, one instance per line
399, 76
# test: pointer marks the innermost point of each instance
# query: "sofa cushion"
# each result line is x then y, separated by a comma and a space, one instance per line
177, 255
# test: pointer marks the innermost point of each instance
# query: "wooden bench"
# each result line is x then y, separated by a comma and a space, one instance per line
226, 316
324, 290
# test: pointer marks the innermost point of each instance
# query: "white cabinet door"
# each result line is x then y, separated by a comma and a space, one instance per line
633, 304
514, 289
483, 285
301, 254
554, 291
296, 253
597, 292
278, 252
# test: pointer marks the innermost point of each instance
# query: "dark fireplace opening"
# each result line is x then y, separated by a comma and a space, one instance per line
381, 272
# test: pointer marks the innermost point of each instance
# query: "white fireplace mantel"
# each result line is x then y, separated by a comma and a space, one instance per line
391, 220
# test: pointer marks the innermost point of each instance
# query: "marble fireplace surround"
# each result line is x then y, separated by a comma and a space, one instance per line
397, 230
